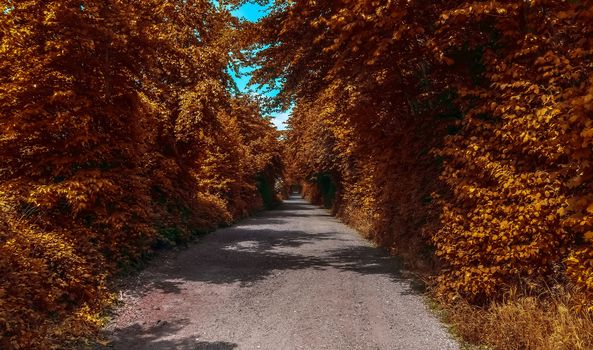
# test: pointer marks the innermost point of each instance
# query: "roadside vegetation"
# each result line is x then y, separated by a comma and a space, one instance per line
458, 135
119, 136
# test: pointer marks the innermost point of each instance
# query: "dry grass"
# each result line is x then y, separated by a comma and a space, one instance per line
547, 322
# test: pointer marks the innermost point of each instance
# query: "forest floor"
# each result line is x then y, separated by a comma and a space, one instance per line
292, 278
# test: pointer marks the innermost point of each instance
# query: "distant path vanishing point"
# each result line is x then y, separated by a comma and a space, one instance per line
292, 278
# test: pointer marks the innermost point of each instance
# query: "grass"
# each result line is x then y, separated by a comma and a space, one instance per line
551, 321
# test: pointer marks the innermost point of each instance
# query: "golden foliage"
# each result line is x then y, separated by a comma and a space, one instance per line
518, 203
495, 97
118, 135
365, 117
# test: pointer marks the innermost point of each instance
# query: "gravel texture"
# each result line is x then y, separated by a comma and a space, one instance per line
292, 278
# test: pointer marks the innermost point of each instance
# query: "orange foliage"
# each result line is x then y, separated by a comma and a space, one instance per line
459, 131
493, 96
118, 136
517, 208
366, 112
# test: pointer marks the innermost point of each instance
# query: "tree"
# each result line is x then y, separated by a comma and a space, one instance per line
119, 136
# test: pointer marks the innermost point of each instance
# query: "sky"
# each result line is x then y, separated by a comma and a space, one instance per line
253, 12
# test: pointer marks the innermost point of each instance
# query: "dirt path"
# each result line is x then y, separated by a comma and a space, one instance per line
294, 278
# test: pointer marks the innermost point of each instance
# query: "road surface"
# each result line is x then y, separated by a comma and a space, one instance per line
292, 278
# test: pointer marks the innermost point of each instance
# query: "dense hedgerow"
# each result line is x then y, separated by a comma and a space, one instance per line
118, 136
517, 168
461, 129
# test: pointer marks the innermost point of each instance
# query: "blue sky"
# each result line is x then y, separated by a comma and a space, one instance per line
253, 12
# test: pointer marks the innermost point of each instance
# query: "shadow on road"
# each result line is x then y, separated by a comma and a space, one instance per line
154, 337
249, 256
263, 246
254, 250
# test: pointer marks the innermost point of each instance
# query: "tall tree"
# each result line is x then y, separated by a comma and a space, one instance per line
118, 134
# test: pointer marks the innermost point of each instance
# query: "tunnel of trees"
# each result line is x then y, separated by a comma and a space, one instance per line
457, 134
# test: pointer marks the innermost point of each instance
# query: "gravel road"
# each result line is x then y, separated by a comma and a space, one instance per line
292, 278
